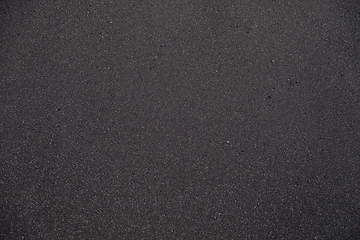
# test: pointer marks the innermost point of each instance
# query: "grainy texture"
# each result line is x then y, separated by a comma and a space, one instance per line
180, 119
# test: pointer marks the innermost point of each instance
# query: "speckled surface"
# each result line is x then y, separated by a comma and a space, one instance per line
180, 119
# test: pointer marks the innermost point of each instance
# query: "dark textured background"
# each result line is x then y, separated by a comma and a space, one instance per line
180, 119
